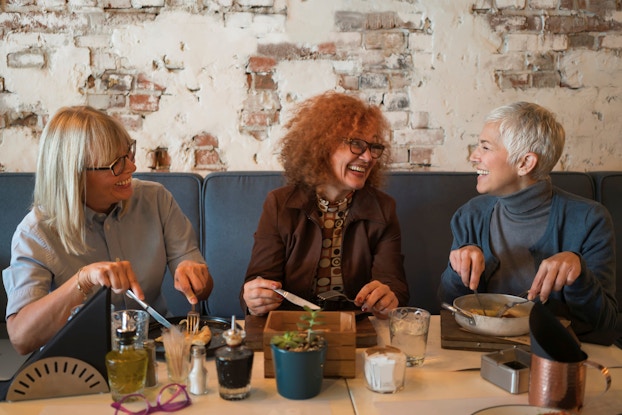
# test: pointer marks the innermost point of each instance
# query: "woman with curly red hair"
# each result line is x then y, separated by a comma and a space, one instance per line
330, 228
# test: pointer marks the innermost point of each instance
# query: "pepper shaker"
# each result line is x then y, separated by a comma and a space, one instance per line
152, 372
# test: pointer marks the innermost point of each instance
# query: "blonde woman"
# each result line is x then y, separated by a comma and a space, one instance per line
92, 225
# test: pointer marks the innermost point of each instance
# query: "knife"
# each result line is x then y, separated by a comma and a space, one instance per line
159, 318
293, 298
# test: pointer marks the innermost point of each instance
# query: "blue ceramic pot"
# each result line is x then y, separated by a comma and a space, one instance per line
298, 374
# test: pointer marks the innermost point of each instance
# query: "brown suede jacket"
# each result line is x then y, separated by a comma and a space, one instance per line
288, 242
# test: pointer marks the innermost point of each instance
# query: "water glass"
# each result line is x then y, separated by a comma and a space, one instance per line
409, 332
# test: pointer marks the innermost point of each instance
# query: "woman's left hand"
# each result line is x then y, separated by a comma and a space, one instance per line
377, 298
193, 280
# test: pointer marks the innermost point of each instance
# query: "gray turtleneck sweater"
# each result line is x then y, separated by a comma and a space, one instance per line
518, 221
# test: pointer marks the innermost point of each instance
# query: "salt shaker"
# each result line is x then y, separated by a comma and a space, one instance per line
197, 378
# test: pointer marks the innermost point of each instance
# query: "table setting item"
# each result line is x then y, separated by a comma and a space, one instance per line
558, 365
157, 316
408, 329
465, 309
294, 299
217, 326
137, 320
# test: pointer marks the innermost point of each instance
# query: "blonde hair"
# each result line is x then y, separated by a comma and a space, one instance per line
75, 138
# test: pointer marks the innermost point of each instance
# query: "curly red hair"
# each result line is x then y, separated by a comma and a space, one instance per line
318, 126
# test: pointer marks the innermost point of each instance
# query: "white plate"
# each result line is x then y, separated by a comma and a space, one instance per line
519, 410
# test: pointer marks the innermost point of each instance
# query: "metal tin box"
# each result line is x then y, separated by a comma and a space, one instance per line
508, 369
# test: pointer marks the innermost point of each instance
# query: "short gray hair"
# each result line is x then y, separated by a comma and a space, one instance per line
525, 127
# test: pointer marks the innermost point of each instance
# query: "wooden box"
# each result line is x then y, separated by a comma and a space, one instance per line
338, 329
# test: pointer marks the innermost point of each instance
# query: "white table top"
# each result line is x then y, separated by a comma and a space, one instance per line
445, 384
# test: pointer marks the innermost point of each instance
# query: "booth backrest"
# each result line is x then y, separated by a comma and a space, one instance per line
15, 201
232, 204
224, 208
609, 193
186, 189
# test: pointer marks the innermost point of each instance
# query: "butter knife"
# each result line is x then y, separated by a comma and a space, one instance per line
159, 318
294, 299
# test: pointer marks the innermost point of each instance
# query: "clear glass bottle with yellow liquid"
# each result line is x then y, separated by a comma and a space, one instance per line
127, 367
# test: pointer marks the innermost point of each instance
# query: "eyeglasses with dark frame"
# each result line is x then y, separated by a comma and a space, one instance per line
171, 398
359, 146
118, 165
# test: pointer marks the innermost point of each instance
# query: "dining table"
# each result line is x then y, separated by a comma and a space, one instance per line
448, 382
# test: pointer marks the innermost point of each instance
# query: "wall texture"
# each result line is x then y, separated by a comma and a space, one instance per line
213, 80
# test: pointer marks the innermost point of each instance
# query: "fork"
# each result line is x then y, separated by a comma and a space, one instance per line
334, 295
193, 320
511, 304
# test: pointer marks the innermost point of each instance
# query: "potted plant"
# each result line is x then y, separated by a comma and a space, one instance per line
298, 358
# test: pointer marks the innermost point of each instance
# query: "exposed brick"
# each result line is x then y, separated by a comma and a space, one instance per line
116, 4
145, 84
30, 58
612, 42
260, 119
418, 137
137, 4
543, 4
565, 24
420, 156
350, 21
117, 82
255, 3
387, 41
262, 100
264, 81
349, 82
205, 140
374, 80
400, 80
132, 122
260, 64
379, 21
397, 119
582, 40
144, 102
396, 101
510, 4
327, 48
507, 80
540, 61
282, 51
547, 79
206, 159
507, 23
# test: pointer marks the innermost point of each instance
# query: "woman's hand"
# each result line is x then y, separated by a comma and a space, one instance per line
193, 280
117, 275
377, 298
468, 262
554, 273
260, 297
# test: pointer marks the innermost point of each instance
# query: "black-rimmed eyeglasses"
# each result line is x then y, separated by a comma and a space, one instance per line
118, 165
171, 398
359, 146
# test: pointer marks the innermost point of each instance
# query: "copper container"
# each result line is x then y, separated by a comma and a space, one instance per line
560, 385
